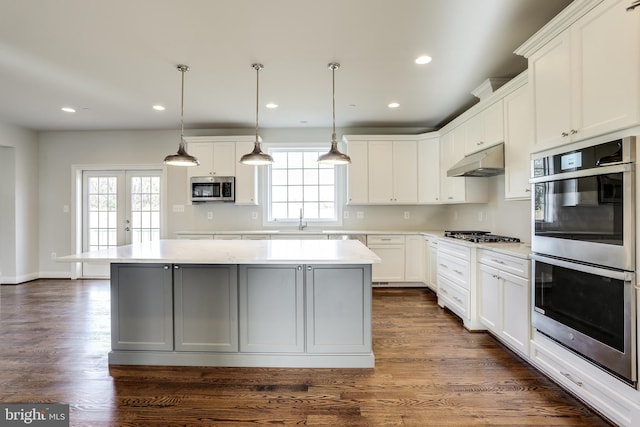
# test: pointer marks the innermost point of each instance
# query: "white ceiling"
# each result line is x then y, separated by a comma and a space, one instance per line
113, 59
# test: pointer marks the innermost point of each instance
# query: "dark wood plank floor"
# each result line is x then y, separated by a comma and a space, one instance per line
54, 340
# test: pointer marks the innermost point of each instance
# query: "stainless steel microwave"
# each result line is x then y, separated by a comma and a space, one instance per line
213, 189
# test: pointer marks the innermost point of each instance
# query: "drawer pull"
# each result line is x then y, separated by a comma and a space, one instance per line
444, 291
573, 380
458, 300
497, 261
443, 266
458, 272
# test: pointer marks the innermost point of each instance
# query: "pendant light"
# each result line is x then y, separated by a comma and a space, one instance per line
334, 156
181, 158
257, 157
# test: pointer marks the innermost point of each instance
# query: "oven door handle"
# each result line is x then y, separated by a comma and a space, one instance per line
626, 276
603, 170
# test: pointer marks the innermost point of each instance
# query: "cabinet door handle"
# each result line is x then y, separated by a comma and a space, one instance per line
570, 378
564, 134
480, 143
573, 132
309, 268
633, 6
176, 267
527, 190
299, 268
166, 267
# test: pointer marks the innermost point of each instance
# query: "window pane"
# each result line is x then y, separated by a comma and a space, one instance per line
294, 210
327, 176
295, 177
279, 177
326, 193
279, 160
279, 210
310, 177
295, 193
279, 193
295, 160
310, 193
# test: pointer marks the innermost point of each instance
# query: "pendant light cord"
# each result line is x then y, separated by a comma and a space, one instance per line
333, 66
183, 69
257, 68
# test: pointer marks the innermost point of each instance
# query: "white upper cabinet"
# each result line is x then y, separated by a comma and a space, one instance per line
358, 173
216, 158
393, 172
518, 143
429, 170
584, 67
485, 129
246, 176
458, 189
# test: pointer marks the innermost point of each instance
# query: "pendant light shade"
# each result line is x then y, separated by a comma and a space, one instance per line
181, 158
257, 157
334, 156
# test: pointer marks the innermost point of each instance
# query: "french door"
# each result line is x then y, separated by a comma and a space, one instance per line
119, 207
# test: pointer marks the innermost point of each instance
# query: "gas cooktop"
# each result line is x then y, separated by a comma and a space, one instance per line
477, 236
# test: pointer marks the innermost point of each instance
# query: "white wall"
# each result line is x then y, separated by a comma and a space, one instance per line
59, 152
19, 205
499, 216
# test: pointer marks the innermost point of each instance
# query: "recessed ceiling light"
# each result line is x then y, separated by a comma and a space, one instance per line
423, 59
271, 105
393, 105
68, 110
158, 107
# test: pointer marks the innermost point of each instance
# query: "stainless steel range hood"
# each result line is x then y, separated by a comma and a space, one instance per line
487, 162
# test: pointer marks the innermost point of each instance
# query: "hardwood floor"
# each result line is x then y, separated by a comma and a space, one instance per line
54, 340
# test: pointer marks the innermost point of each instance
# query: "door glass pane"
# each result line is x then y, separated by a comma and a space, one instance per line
102, 205
145, 208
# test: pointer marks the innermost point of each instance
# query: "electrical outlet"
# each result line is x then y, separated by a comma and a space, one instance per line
54, 255
407, 214
345, 214
480, 216
360, 215
178, 208
209, 215
254, 215
65, 208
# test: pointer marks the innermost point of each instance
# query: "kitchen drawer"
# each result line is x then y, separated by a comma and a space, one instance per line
455, 269
195, 236
459, 251
509, 264
385, 239
598, 389
227, 237
454, 297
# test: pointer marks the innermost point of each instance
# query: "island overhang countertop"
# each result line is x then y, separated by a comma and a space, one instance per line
178, 251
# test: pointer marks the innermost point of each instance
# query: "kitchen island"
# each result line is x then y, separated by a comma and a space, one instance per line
281, 303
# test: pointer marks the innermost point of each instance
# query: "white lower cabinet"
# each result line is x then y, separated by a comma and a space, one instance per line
390, 249
455, 282
503, 298
608, 395
432, 281
413, 258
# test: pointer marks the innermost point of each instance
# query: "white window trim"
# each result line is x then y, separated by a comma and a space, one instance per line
314, 224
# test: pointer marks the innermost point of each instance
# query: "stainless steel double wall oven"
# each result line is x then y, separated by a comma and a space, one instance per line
584, 295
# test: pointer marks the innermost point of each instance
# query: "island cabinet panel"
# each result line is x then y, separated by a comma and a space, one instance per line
338, 308
206, 301
271, 308
141, 307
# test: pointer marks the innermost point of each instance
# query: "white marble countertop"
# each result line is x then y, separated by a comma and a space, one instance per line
234, 252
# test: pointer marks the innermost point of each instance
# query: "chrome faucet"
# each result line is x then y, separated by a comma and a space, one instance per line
301, 225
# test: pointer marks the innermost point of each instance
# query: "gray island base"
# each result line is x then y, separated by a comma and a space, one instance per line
240, 303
